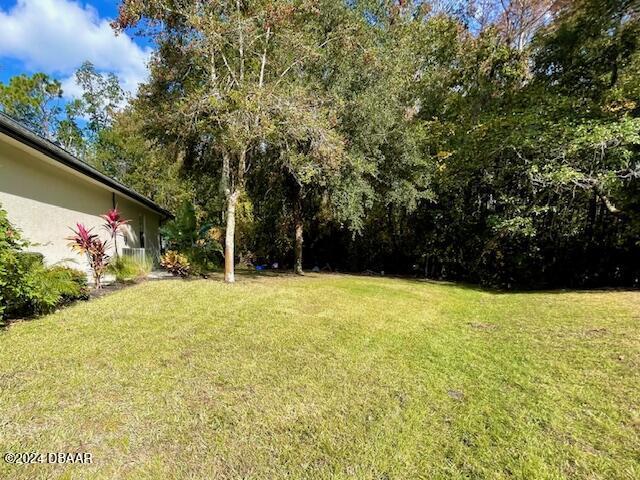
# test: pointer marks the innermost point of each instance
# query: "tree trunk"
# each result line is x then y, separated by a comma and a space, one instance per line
232, 189
298, 225
298, 249
229, 274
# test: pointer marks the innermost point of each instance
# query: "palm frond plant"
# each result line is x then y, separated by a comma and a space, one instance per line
193, 238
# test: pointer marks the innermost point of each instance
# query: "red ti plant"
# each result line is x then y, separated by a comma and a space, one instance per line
85, 242
114, 224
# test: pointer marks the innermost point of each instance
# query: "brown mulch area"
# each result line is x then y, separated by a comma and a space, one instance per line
107, 289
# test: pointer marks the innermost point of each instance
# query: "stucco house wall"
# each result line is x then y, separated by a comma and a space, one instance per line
43, 198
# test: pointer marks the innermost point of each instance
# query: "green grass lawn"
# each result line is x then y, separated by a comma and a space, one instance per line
327, 376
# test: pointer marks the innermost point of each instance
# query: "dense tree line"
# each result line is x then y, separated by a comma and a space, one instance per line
489, 141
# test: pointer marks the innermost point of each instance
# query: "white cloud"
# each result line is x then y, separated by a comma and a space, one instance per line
56, 36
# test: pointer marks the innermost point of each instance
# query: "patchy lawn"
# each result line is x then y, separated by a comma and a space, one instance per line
327, 376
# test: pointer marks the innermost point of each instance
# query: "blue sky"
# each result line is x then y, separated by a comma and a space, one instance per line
56, 36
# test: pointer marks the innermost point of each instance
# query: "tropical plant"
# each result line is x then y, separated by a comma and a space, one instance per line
195, 239
184, 230
89, 244
114, 223
176, 263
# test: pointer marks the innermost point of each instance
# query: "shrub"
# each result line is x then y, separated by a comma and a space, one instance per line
70, 283
175, 263
46, 289
204, 256
31, 259
128, 269
27, 287
11, 269
89, 244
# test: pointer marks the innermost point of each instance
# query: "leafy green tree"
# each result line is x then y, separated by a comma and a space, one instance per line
123, 152
496, 142
69, 132
309, 152
102, 97
486, 162
34, 101
532, 169
221, 74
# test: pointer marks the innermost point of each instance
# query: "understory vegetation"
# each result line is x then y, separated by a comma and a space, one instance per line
327, 376
193, 246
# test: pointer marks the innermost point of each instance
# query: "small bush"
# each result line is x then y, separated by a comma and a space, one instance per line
11, 268
62, 285
70, 283
202, 258
176, 263
43, 289
129, 269
27, 287
31, 259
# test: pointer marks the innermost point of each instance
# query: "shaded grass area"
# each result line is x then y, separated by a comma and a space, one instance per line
327, 376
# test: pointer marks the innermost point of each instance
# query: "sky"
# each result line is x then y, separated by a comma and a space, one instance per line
57, 36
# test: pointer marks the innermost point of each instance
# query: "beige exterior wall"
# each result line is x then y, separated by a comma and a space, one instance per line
43, 198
